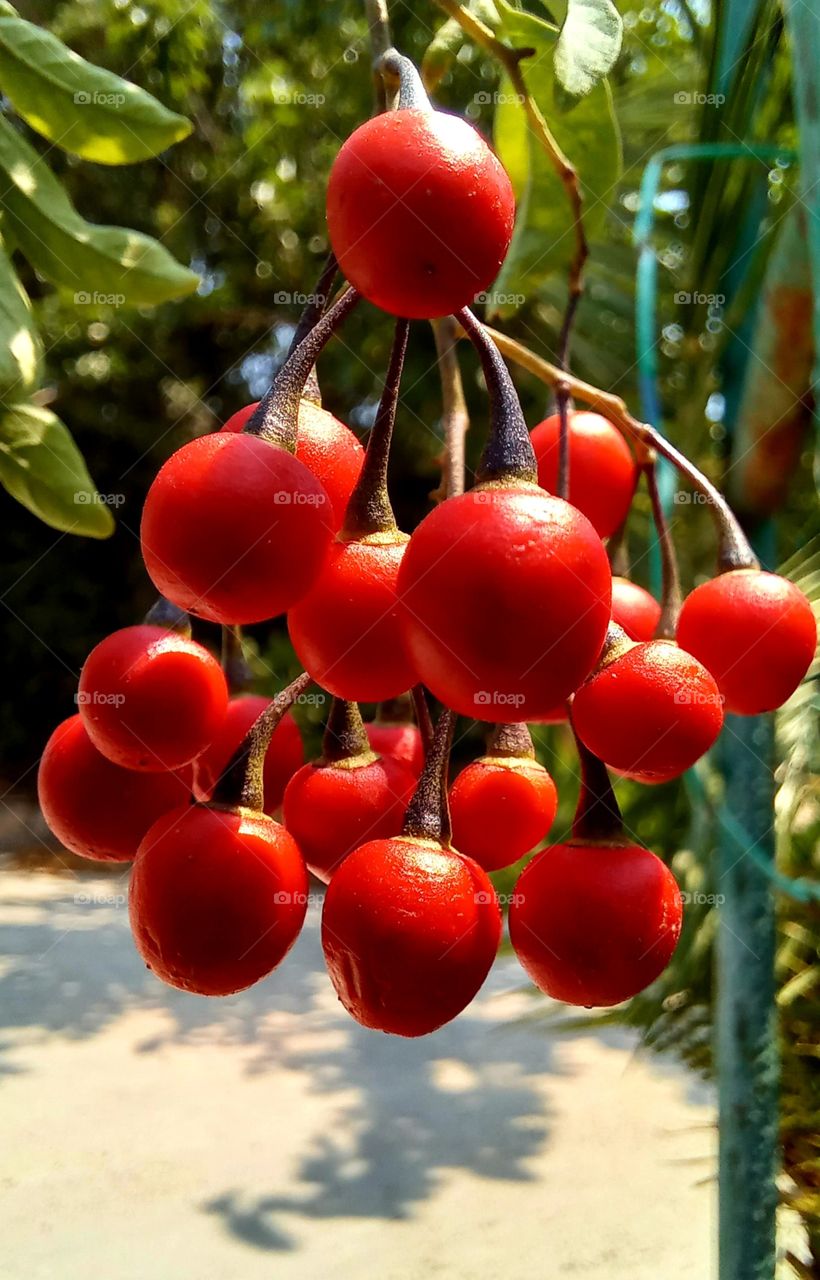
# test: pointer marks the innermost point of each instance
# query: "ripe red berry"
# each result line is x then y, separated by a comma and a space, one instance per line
400, 741
410, 930
602, 471
505, 596
346, 630
150, 698
420, 212
326, 446
593, 924
501, 808
650, 710
333, 807
634, 609
217, 898
284, 755
235, 529
755, 632
94, 807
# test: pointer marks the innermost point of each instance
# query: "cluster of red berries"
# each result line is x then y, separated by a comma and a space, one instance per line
501, 604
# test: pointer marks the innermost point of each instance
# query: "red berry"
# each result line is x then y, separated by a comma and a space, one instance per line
284, 756
501, 809
332, 808
217, 898
634, 609
505, 599
400, 741
650, 712
755, 632
346, 630
410, 930
235, 529
593, 924
420, 212
602, 471
150, 698
326, 446
94, 807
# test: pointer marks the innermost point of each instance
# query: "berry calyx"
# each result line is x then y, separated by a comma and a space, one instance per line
419, 211
602, 470
94, 807
503, 804
325, 445
349, 796
283, 757
150, 698
634, 609
755, 632
649, 710
596, 919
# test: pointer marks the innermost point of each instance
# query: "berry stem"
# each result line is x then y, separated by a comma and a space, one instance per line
455, 418
369, 510
412, 95
423, 720
428, 814
164, 614
276, 417
378, 24
511, 741
671, 598
311, 315
241, 783
617, 551
345, 737
597, 817
508, 455
562, 393
238, 674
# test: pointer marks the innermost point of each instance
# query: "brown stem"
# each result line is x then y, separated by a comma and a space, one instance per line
276, 417
455, 418
378, 23
511, 740
508, 455
369, 510
345, 737
237, 671
618, 551
241, 783
597, 817
562, 396
428, 814
311, 315
671, 598
425, 724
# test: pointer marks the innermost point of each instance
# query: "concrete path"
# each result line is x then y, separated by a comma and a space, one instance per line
150, 1135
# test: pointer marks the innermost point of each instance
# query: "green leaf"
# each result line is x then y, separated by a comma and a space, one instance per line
82, 108
449, 39
588, 46
100, 264
20, 346
42, 468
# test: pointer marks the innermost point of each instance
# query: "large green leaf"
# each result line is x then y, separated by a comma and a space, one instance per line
588, 46
544, 239
42, 468
101, 264
82, 108
20, 347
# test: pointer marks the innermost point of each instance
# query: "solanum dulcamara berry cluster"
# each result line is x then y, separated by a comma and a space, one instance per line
501, 606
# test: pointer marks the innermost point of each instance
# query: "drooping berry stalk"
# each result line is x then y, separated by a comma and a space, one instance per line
312, 313
396, 69
241, 782
428, 814
509, 454
165, 614
237, 670
276, 417
345, 737
562, 394
455, 418
369, 510
597, 816
671, 597
423, 719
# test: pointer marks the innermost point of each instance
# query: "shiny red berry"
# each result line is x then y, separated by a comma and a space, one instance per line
400, 741
235, 529
150, 698
501, 809
593, 924
284, 755
410, 930
634, 609
650, 711
217, 898
602, 471
346, 630
420, 212
332, 808
505, 597
326, 446
755, 632
95, 808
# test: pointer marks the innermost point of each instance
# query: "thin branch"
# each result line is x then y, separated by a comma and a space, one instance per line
670, 576
455, 417
378, 24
